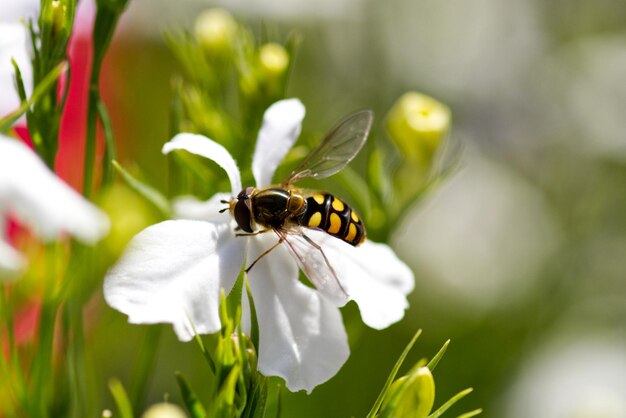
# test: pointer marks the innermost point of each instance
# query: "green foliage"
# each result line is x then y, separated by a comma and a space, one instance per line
413, 395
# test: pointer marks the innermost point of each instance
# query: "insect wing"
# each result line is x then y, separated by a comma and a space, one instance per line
312, 261
337, 149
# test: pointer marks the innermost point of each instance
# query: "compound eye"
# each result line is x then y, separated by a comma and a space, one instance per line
243, 215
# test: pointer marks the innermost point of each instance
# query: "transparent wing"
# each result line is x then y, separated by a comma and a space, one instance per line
337, 149
312, 261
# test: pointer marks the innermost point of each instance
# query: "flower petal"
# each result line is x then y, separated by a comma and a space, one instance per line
173, 272
13, 45
11, 261
38, 198
301, 335
205, 147
372, 275
281, 127
188, 207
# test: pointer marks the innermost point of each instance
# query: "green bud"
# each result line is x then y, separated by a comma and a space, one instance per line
411, 396
164, 410
215, 30
418, 124
274, 60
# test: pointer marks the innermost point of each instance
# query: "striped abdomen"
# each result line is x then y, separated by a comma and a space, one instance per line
326, 212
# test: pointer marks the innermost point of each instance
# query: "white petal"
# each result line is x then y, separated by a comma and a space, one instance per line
189, 207
30, 191
301, 335
281, 127
372, 275
16, 10
205, 147
13, 44
11, 262
173, 272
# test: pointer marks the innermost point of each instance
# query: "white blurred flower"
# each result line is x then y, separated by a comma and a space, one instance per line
479, 241
590, 74
32, 194
581, 378
173, 271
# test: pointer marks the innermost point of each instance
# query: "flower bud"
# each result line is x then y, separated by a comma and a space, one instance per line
412, 395
418, 124
215, 30
164, 410
274, 60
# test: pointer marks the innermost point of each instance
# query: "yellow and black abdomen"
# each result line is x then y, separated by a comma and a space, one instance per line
326, 212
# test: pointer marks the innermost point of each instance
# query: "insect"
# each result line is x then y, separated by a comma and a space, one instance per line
289, 211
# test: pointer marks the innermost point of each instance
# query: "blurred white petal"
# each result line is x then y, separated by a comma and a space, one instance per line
14, 39
372, 275
281, 127
480, 240
302, 338
16, 10
39, 199
188, 207
582, 377
11, 262
172, 272
205, 147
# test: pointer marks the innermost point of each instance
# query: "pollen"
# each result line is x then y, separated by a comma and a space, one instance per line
354, 216
338, 205
335, 223
319, 198
351, 233
315, 220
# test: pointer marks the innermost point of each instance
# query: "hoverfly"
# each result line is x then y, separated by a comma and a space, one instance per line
289, 211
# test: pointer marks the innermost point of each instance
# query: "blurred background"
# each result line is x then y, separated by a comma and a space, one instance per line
520, 256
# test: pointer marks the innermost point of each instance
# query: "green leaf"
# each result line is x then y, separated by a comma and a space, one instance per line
109, 149
149, 193
392, 376
192, 403
120, 398
435, 360
443, 408
471, 413
40, 90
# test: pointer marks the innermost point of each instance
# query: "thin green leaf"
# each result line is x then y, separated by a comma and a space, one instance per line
471, 413
147, 192
144, 364
443, 408
435, 360
40, 90
109, 149
254, 324
124, 408
192, 403
392, 375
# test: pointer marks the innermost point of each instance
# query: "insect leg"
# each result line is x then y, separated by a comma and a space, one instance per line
266, 252
251, 233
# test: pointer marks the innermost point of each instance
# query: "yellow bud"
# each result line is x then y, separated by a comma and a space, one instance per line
164, 410
215, 30
418, 124
274, 60
412, 395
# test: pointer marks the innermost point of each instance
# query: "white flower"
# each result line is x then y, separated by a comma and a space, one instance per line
173, 271
31, 193
580, 377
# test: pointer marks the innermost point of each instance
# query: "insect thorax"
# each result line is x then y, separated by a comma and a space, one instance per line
271, 207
